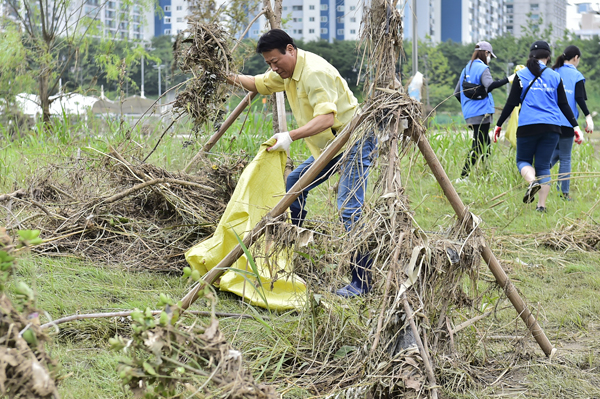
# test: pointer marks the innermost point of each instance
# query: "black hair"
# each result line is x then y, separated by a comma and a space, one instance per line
533, 64
274, 39
567, 55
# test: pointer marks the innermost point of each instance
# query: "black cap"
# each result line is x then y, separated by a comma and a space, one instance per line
540, 45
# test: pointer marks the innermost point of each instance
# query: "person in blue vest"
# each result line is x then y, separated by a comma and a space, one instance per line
478, 108
543, 100
574, 83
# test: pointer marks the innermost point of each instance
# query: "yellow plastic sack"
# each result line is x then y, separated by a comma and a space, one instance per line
513, 124
260, 188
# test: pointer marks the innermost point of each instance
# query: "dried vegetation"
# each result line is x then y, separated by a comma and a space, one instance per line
106, 209
203, 51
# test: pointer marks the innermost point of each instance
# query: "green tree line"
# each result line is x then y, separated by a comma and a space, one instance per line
97, 65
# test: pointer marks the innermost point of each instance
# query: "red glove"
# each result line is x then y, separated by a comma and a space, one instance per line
497, 133
578, 135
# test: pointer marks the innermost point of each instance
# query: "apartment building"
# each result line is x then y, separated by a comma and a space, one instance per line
522, 13
172, 20
120, 19
316, 19
462, 21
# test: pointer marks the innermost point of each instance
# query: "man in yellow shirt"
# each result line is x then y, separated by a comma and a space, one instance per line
323, 105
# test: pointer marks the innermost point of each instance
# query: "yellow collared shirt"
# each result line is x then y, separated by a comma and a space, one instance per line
315, 88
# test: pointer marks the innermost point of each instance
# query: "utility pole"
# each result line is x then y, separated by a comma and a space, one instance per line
159, 67
415, 39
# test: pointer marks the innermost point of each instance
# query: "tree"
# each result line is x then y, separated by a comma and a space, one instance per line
55, 33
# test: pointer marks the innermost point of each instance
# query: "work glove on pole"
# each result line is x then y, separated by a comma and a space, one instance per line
589, 124
283, 142
578, 135
496, 134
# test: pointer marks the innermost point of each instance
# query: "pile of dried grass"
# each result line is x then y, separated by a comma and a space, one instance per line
26, 370
578, 235
105, 209
203, 51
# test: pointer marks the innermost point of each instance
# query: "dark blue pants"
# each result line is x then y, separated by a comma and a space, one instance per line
354, 171
562, 153
538, 148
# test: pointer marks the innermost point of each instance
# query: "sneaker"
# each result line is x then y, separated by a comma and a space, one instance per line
351, 290
462, 180
531, 192
566, 197
541, 209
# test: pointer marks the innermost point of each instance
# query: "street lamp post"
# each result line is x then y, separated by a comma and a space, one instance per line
143, 96
159, 67
508, 66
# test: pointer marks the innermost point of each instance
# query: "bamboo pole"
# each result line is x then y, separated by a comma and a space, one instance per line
486, 253
305, 180
226, 125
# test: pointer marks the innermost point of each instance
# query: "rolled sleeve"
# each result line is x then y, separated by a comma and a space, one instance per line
324, 109
322, 94
269, 83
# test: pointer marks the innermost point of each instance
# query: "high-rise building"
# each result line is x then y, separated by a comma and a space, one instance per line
316, 19
172, 20
522, 13
462, 21
120, 19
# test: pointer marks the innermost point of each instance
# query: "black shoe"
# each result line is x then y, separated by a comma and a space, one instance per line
566, 197
541, 209
531, 192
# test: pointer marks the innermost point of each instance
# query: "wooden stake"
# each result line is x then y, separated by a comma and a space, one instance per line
226, 125
486, 253
305, 180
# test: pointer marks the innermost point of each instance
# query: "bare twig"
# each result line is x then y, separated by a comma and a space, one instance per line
75, 317
424, 355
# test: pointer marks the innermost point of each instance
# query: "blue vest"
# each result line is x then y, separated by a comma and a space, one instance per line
540, 104
570, 76
470, 108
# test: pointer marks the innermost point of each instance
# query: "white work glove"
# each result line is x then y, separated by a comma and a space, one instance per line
589, 124
578, 135
511, 78
283, 142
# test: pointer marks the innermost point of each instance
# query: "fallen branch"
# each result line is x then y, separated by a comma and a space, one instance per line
152, 182
75, 317
469, 322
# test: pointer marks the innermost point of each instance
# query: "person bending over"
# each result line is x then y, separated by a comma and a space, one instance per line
322, 105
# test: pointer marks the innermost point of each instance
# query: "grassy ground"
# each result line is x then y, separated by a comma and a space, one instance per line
562, 287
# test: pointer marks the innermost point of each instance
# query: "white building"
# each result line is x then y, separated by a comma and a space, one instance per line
583, 19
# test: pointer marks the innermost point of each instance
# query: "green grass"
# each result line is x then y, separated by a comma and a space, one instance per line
562, 287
